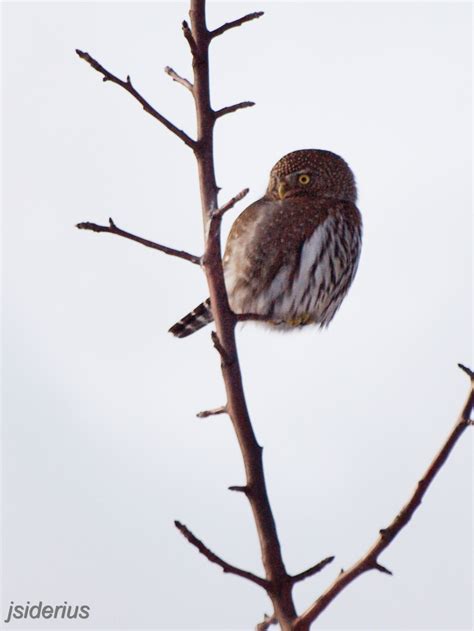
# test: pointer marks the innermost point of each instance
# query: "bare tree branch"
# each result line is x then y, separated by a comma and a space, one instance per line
127, 85
214, 412
233, 108
176, 77
113, 229
370, 560
279, 586
213, 558
312, 570
228, 25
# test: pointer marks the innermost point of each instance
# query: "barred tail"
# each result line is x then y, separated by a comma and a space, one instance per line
193, 321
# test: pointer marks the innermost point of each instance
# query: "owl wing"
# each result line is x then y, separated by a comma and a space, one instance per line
275, 245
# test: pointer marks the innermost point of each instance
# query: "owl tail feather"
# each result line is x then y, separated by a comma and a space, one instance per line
193, 321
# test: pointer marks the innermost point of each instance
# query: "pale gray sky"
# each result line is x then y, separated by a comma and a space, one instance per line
102, 449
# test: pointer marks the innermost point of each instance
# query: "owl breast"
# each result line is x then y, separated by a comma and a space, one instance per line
293, 261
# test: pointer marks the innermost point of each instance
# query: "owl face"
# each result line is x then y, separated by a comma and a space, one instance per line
297, 184
309, 173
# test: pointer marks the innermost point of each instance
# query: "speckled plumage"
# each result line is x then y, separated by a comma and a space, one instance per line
292, 255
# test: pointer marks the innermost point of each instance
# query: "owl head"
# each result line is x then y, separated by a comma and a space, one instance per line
309, 173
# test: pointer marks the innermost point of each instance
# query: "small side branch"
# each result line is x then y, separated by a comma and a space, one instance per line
312, 570
113, 229
220, 212
127, 85
240, 489
233, 108
214, 412
228, 25
370, 560
181, 80
213, 558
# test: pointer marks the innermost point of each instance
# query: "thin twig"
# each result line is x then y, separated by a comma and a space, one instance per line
176, 77
127, 85
214, 412
220, 212
312, 570
213, 558
233, 108
228, 25
370, 560
113, 229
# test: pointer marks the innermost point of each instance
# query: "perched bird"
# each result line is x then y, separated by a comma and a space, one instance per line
292, 255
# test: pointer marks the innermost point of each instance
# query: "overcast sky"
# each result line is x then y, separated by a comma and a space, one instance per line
102, 447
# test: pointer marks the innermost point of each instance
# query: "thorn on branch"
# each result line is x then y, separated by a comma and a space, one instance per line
176, 77
112, 229
233, 108
382, 568
213, 558
312, 570
214, 412
240, 489
228, 25
127, 85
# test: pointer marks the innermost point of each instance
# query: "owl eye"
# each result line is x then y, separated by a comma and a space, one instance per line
304, 179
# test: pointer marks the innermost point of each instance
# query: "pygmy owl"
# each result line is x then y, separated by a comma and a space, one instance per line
292, 255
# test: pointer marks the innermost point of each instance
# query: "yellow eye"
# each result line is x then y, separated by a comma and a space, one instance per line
304, 179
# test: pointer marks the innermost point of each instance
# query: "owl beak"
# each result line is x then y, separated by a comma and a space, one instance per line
281, 189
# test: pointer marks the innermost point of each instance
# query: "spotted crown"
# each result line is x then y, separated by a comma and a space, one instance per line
334, 173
